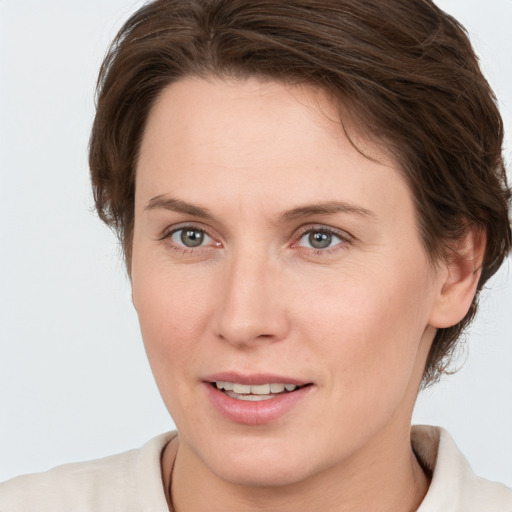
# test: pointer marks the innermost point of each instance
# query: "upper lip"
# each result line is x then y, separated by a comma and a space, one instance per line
254, 379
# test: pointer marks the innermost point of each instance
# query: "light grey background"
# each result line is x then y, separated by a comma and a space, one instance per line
74, 382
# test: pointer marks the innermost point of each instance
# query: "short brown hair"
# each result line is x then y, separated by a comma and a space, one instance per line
403, 68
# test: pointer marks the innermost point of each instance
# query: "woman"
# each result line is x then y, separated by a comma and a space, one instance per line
310, 196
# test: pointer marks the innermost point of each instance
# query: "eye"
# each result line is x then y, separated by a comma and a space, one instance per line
190, 237
320, 239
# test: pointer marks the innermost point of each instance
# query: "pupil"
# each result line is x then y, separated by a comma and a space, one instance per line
192, 237
320, 240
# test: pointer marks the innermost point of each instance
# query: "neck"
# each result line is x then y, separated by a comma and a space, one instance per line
390, 481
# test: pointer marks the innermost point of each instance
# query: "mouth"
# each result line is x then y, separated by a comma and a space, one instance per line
256, 398
256, 393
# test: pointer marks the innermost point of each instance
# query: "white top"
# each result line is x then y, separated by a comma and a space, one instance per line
132, 482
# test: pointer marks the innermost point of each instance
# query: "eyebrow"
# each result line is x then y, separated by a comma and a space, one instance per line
322, 208
177, 205
326, 208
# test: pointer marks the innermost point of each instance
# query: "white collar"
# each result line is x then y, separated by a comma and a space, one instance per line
454, 486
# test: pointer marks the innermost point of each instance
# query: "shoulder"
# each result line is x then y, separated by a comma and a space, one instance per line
110, 484
454, 486
71, 485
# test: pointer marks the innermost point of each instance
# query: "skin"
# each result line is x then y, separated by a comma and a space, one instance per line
356, 319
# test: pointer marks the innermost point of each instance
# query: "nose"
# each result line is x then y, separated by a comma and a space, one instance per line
251, 307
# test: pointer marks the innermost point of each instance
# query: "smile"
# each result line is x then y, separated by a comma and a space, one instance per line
255, 399
254, 393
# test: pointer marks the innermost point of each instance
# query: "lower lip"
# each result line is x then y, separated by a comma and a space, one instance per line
255, 413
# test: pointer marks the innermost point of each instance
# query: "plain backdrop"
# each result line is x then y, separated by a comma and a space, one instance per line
74, 381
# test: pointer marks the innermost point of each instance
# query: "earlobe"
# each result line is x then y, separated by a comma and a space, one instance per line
462, 270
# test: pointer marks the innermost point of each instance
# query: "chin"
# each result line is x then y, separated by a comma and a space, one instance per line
259, 462
260, 474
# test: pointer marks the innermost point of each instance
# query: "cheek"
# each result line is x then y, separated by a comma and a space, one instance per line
369, 327
172, 309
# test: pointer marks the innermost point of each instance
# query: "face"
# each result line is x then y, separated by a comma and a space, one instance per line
274, 260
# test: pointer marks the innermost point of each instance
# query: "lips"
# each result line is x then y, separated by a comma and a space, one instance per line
256, 392
254, 399
254, 379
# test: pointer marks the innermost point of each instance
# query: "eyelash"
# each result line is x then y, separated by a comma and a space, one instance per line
343, 237
183, 249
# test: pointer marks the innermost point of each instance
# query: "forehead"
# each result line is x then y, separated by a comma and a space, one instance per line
217, 104
259, 139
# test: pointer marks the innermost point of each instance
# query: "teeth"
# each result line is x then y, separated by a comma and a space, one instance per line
249, 398
228, 386
263, 389
260, 389
241, 389
278, 388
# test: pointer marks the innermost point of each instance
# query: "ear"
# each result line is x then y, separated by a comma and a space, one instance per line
459, 276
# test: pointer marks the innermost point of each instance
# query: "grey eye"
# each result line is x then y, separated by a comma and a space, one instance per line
319, 239
190, 237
